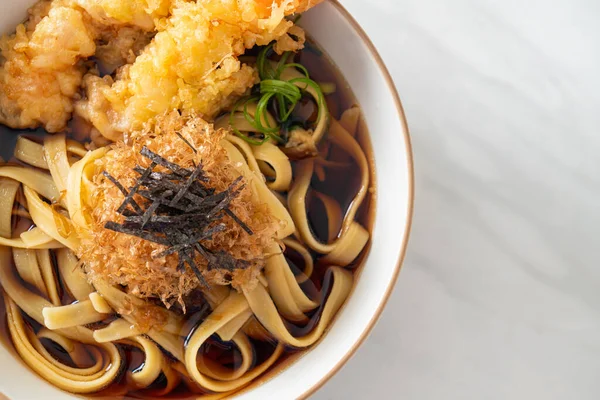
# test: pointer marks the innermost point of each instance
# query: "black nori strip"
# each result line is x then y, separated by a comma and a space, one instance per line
129, 213
200, 190
165, 219
115, 182
208, 202
151, 237
190, 262
179, 213
193, 194
225, 202
239, 221
161, 229
169, 176
187, 142
195, 175
153, 207
135, 188
163, 162
204, 235
181, 265
151, 196
159, 187
204, 252
173, 250
226, 261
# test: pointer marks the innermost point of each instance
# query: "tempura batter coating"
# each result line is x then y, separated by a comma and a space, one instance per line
41, 74
192, 63
42, 70
138, 13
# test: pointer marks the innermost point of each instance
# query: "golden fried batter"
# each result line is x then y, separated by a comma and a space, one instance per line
191, 64
41, 74
41, 70
138, 13
117, 47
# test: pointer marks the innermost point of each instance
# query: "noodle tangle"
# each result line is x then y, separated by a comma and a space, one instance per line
93, 328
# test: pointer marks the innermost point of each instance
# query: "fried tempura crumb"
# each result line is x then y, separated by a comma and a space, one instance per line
126, 260
40, 75
191, 65
41, 66
117, 47
137, 13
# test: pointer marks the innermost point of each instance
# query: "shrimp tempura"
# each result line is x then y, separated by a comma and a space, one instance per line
191, 64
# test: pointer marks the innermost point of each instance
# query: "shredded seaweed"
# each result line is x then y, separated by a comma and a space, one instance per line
134, 189
163, 162
187, 142
115, 182
276, 96
239, 221
179, 212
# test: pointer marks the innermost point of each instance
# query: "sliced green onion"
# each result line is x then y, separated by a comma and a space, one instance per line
261, 113
265, 69
301, 67
282, 94
255, 124
281, 64
320, 98
286, 89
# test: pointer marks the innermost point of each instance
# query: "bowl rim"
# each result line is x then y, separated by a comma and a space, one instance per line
409, 212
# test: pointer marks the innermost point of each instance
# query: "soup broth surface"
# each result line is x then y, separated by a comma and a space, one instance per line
340, 184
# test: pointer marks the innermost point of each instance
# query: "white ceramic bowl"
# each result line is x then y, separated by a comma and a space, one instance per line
346, 43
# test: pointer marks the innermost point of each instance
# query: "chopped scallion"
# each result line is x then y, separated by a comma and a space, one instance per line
276, 94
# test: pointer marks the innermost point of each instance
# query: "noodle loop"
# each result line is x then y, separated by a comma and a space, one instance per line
185, 254
58, 205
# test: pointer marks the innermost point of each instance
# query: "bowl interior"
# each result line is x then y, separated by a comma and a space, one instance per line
348, 47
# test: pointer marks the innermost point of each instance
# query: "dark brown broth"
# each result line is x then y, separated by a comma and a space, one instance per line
339, 184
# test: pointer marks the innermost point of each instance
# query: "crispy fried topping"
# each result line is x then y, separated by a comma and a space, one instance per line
146, 268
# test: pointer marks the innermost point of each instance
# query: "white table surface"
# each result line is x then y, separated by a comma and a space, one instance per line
499, 297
